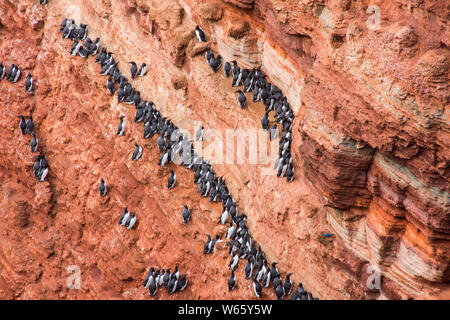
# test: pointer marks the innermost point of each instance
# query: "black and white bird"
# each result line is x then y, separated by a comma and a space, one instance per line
279, 291
83, 52
161, 143
182, 283
166, 278
111, 86
147, 277
37, 166
248, 270
224, 216
185, 214
75, 47
172, 180
2, 71
273, 132
124, 217
15, 74
257, 288
207, 244
215, 63
34, 143
200, 34
231, 231
199, 133
29, 83
241, 98
82, 32
137, 152
30, 124
227, 69
265, 121
143, 70
152, 286
175, 273
43, 168
23, 124
287, 286
234, 262
121, 127
133, 69
102, 187
231, 281
129, 224
172, 286
274, 271
235, 69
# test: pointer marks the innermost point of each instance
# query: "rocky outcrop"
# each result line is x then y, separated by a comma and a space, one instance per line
370, 147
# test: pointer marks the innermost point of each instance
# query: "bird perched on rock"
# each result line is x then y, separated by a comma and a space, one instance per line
43, 168
133, 69
287, 286
231, 281
227, 69
34, 143
185, 214
199, 133
129, 224
14, 74
215, 63
257, 288
30, 124
137, 152
110, 85
102, 187
241, 98
265, 121
23, 124
200, 34
124, 217
172, 180
2, 71
29, 83
121, 127
142, 70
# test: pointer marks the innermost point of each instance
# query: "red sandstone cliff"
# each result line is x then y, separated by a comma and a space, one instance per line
370, 145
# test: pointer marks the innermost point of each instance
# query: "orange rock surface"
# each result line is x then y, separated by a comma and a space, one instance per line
371, 148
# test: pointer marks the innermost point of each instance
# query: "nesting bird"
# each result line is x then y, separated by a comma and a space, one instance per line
137, 154
200, 34
102, 187
185, 214
34, 143
172, 180
29, 83
2, 71
23, 124
241, 98
124, 217
133, 69
121, 127
129, 224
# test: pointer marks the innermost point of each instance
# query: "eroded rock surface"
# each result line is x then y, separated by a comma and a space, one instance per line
370, 145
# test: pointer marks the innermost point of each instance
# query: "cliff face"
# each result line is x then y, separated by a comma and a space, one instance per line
370, 147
